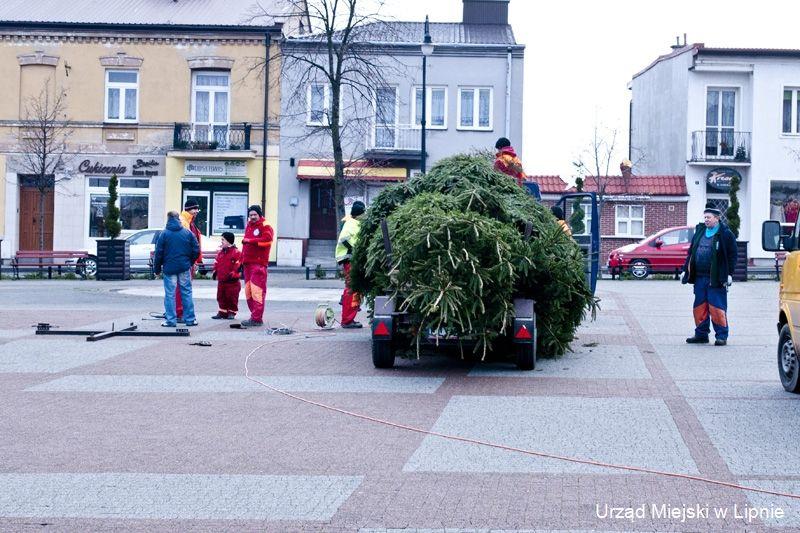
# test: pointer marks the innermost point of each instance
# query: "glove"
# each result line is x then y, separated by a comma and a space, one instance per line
684, 278
730, 281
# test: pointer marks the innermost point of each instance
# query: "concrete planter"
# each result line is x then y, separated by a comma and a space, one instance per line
113, 259
740, 271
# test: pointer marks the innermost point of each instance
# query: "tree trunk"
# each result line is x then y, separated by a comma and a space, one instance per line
339, 184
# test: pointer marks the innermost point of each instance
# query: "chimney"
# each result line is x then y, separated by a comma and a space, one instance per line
626, 167
485, 12
677, 45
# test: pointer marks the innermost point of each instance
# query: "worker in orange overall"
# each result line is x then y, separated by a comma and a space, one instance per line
256, 245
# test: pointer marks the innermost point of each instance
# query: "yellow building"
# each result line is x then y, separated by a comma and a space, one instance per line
169, 97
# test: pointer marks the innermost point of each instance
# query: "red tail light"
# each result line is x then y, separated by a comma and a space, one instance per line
381, 330
523, 334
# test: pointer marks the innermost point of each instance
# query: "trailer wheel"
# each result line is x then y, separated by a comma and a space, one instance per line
526, 356
382, 354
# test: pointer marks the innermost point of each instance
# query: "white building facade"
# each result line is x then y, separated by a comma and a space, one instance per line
711, 113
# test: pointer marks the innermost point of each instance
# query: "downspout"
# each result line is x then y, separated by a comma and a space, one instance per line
508, 93
267, 42
630, 129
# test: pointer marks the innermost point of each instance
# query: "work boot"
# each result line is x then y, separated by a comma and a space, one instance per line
219, 316
720, 342
250, 323
697, 340
353, 325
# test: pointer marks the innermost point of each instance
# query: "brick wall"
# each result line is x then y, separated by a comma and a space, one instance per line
657, 216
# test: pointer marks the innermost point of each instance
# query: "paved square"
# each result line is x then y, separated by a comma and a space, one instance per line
722, 363
598, 362
169, 496
212, 384
161, 435
624, 431
754, 437
57, 354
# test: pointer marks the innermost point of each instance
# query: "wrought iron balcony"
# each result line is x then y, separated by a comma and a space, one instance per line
211, 137
399, 139
721, 144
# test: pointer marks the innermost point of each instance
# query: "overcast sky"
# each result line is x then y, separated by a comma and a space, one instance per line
581, 54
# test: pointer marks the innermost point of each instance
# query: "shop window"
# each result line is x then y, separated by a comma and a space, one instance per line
229, 212
133, 203
784, 200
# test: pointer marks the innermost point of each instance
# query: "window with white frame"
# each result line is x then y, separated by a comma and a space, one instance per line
435, 108
133, 203
791, 110
630, 221
385, 117
211, 106
318, 102
475, 108
122, 95
720, 121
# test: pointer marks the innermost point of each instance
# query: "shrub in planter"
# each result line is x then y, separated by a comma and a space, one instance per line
113, 255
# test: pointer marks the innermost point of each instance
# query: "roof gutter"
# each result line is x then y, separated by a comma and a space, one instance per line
104, 26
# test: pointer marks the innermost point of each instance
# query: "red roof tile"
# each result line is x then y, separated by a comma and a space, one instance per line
643, 185
550, 184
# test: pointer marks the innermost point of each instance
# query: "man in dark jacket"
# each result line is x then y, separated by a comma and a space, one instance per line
176, 251
709, 266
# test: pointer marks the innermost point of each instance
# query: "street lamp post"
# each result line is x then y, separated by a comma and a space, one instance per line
427, 49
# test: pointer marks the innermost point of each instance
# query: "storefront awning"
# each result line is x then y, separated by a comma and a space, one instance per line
322, 169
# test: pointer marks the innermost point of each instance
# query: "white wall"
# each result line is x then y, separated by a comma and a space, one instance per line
659, 116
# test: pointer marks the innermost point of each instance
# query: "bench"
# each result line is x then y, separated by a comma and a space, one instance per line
40, 259
336, 270
202, 269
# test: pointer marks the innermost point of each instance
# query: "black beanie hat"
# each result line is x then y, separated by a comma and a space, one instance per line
502, 142
257, 209
357, 209
190, 204
557, 212
228, 236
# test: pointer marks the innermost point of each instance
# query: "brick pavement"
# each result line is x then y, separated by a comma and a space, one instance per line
158, 435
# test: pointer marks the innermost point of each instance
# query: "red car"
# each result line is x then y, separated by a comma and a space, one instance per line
664, 251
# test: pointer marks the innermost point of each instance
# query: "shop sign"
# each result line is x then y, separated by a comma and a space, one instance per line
123, 166
719, 179
215, 168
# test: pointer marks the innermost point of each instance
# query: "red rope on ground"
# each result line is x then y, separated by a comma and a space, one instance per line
503, 446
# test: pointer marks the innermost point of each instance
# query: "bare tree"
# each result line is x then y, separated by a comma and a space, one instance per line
43, 136
340, 53
594, 162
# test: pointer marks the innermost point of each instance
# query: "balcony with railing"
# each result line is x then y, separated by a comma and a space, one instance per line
211, 136
396, 141
716, 145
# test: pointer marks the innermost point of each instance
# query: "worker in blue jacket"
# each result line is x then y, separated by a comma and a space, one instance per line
709, 267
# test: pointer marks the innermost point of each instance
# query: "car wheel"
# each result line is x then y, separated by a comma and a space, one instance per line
87, 267
639, 268
526, 356
788, 367
382, 354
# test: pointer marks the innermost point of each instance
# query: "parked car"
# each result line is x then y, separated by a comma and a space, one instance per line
143, 244
664, 251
